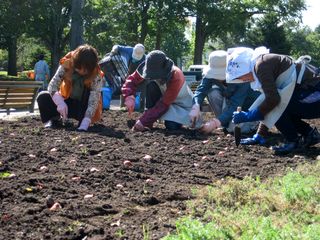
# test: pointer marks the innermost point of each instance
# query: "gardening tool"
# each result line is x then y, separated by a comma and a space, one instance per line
237, 131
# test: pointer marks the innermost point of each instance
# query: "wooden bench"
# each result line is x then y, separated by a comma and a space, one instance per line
18, 95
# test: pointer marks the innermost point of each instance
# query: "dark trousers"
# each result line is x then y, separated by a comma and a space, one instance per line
290, 124
153, 95
48, 109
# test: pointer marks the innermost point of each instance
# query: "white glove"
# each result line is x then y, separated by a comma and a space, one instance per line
84, 124
194, 114
208, 127
62, 107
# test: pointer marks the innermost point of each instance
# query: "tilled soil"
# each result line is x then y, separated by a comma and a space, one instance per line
105, 185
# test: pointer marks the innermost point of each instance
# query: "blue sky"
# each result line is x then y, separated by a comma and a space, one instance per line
311, 16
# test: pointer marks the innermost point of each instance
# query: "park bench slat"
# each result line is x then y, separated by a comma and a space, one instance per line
17, 91
13, 100
18, 95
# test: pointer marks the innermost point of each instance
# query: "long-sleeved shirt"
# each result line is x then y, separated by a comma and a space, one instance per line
173, 87
235, 94
95, 90
126, 53
268, 68
41, 69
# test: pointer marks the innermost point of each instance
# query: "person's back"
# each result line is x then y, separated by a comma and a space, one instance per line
41, 71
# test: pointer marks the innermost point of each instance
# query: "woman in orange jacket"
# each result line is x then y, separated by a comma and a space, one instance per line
74, 91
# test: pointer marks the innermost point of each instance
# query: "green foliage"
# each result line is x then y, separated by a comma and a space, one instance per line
4, 174
146, 231
44, 26
280, 208
28, 52
305, 41
193, 229
296, 187
269, 31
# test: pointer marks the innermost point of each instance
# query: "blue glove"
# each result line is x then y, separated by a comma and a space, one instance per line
251, 116
256, 139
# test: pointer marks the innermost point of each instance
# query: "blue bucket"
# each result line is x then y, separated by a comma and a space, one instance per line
137, 101
106, 97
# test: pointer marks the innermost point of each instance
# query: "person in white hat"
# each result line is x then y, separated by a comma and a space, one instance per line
289, 94
133, 56
223, 98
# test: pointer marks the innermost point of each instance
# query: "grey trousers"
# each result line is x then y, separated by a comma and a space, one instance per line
218, 103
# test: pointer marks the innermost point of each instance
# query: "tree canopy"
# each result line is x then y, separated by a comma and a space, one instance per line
184, 29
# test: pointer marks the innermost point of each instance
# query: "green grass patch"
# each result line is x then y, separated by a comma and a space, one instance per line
5, 174
22, 76
286, 207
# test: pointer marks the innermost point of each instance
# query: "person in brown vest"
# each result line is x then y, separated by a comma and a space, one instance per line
290, 93
74, 91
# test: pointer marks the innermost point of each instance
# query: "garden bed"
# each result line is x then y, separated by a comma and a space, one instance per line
106, 185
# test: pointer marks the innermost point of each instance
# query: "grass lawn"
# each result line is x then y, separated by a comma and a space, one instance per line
286, 207
22, 76
3, 73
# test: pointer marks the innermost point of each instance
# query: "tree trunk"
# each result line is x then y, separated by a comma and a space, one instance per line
199, 41
55, 57
158, 38
76, 24
12, 55
144, 22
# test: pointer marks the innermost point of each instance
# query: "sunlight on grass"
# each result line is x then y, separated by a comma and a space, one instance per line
285, 207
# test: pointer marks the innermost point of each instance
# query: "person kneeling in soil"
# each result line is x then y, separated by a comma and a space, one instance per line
290, 93
223, 98
133, 56
74, 91
168, 97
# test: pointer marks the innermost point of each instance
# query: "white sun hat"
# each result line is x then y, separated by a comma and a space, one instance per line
240, 61
217, 65
138, 51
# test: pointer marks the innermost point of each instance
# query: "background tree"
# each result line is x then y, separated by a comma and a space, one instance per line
76, 24
270, 32
216, 19
50, 24
13, 22
304, 41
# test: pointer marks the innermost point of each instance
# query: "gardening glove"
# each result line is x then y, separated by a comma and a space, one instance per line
194, 114
251, 116
84, 124
138, 126
208, 127
130, 102
256, 139
62, 107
